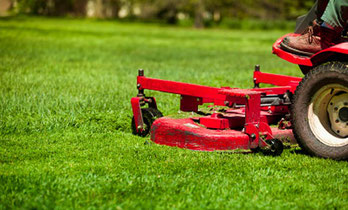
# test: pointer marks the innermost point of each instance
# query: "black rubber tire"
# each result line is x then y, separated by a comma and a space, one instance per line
149, 116
329, 73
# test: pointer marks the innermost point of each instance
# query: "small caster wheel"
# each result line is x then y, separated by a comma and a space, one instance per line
275, 147
149, 116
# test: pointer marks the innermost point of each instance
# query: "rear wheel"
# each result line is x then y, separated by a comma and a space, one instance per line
320, 111
149, 116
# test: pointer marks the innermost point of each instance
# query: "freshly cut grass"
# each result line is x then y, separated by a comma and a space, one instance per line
65, 139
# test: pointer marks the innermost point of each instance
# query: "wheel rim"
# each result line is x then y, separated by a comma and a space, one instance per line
327, 115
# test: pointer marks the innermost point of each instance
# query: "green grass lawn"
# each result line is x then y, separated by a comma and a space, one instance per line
65, 137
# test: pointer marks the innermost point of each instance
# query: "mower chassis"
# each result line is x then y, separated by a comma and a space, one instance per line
244, 123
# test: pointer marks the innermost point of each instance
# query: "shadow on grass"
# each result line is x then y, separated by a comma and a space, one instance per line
299, 152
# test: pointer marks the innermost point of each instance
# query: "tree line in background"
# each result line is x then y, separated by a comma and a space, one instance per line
200, 12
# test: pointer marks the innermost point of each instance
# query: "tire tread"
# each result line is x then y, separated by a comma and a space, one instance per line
299, 131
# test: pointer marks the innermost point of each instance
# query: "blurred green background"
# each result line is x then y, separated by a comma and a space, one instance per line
198, 13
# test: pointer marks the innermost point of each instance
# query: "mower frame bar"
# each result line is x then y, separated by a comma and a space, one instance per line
193, 95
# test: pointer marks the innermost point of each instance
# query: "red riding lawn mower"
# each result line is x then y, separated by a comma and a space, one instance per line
313, 110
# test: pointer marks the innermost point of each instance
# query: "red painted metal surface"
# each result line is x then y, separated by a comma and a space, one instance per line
194, 95
339, 48
296, 59
138, 117
215, 121
235, 118
313, 60
245, 124
251, 100
186, 133
287, 82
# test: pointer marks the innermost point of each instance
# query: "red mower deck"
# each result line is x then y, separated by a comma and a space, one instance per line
245, 122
